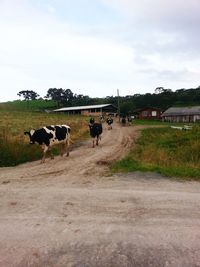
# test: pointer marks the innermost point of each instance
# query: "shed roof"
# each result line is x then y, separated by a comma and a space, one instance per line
181, 111
85, 107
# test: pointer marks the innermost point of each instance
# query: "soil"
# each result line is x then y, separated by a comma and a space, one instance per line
71, 212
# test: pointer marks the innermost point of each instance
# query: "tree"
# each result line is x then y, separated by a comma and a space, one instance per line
81, 100
67, 97
159, 90
127, 108
61, 96
55, 94
28, 95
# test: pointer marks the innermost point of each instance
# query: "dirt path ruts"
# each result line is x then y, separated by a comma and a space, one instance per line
83, 160
69, 212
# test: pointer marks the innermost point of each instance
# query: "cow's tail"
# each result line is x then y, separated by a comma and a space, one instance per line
69, 136
71, 141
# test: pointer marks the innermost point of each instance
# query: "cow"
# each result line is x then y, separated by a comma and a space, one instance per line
95, 131
129, 119
123, 121
49, 136
109, 122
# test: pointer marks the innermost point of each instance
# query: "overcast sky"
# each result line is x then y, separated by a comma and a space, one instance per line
95, 47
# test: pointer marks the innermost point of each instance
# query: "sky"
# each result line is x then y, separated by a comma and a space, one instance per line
96, 47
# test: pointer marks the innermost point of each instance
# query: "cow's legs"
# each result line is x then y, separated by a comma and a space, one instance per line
62, 150
93, 140
51, 154
67, 146
97, 141
45, 149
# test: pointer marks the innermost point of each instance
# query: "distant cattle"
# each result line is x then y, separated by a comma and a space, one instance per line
95, 131
109, 122
123, 121
129, 119
49, 136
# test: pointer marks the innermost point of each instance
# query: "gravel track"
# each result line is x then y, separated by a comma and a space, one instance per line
70, 212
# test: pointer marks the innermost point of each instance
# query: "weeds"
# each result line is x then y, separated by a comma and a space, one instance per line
166, 151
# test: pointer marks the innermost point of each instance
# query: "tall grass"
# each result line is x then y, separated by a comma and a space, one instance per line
14, 145
167, 151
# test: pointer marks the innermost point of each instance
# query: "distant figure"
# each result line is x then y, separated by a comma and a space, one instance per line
123, 121
109, 122
129, 120
101, 118
95, 131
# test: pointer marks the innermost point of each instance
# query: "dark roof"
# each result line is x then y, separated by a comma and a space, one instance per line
181, 111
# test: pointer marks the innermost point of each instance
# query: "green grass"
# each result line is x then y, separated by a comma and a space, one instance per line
156, 123
148, 122
167, 151
33, 105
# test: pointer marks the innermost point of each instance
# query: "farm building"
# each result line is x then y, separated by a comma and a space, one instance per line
182, 114
149, 113
92, 110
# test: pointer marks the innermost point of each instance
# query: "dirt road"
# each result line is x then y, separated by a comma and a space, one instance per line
71, 212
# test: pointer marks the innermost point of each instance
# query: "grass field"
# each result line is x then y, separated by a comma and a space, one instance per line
164, 150
14, 145
170, 152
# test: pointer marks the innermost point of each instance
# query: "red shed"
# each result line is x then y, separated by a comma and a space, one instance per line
149, 113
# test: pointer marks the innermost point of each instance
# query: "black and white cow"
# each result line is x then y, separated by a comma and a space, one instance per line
49, 136
95, 131
109, 122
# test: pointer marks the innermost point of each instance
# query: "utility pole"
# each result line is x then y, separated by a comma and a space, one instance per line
118, 104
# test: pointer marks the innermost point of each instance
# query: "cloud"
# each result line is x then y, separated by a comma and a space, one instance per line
164, 36
159, 13
44, 51
164, 23
96, 48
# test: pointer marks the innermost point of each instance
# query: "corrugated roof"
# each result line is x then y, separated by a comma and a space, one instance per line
84, 107
181, 111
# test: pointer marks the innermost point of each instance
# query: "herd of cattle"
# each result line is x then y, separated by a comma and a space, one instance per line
49, 136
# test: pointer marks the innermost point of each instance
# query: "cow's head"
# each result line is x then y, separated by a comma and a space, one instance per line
92, 121
31, 136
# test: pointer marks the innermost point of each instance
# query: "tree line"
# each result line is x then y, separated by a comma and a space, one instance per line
161, 98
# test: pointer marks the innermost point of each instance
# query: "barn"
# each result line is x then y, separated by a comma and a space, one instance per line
92, 110
149, 113
182, 114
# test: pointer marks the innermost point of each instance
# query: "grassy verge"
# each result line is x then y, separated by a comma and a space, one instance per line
149, 122
14, 145
170, 152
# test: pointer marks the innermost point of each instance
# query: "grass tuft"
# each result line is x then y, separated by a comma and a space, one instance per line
170, 152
